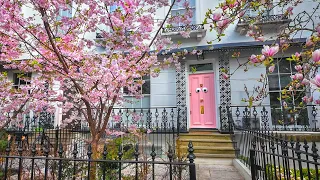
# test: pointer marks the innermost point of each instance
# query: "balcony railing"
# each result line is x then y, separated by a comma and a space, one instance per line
264, 19
192, 27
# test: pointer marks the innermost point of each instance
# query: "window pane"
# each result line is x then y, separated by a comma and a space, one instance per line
182, 13
273, 82
302, 117
177, 5
285, 79
274, 101
298, 97
201, 67
284, 66
146, 87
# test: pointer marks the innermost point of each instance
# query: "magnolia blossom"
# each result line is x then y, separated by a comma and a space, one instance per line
270, 51
316, 55
271, 69
316, 81
298, 67
216, 16
309, 42
305, 82
225, 75
289, 10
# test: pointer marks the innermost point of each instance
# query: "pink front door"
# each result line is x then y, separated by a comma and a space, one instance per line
202, 101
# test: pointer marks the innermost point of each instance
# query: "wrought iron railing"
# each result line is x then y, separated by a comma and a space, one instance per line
276, 156
119, 163
273, 118
263, 19
191, 27
160, 126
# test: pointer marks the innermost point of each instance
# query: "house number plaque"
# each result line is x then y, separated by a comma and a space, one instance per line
201, 109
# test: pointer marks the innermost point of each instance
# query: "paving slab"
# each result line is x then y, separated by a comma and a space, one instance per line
219, 172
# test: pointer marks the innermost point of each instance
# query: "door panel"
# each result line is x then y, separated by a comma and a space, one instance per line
202, 101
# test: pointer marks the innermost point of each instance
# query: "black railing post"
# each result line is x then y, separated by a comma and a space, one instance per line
60, 152
192, 166
153, 156
315, 158
89, 153
33, 152
170, 156
136, 155
298, 152
46, 166
74, 152
104, 154
120, 154
252, 164
8, 149
20, 149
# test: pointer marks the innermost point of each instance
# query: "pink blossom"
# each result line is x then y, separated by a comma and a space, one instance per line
309, 42
289, 10
298, 67
318, 29
271, 69
216, 16
185, 34
305, 82
317, 101
225, 75
116, 118
316, 81
297, 54
253, 58
316, 55
305, 99
149, 131
260, 38
270, 51
299, 76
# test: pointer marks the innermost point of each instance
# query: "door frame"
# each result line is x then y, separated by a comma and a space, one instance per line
215, 70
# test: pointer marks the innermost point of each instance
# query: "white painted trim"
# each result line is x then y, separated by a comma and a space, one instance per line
242, 169
215, 64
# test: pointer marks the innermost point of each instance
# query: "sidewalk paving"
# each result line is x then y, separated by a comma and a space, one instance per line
219, 172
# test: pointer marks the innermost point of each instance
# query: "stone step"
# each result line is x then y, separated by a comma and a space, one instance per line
211, 150
207, 142
203, 155
197, 135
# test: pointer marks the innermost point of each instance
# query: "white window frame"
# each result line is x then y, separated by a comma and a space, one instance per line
278, 74
139, 101
15, 77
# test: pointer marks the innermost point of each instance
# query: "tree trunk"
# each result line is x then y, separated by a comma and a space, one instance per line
95, 155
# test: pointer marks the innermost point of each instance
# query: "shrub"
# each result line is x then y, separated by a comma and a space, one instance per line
280, 172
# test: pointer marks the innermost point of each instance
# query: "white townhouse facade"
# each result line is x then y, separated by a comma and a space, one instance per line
200, 91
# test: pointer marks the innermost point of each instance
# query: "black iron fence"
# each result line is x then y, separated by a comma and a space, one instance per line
158, 126
270, 118
109, 163
276, 156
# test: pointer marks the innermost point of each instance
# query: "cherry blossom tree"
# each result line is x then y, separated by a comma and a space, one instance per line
62, 50
303, 24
